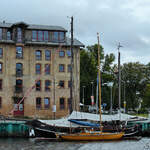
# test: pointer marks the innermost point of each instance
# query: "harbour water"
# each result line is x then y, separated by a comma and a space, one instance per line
30, 144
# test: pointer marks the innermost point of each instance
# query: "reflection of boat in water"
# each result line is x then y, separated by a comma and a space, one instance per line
94, 135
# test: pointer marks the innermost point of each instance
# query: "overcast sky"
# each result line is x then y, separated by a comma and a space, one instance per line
124, 21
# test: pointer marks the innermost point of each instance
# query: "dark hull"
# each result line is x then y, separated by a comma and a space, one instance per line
45, 130
44, 133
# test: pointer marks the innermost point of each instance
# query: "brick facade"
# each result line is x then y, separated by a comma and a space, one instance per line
16, 82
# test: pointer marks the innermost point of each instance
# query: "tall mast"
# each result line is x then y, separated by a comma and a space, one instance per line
119, 80
71, 74
99, 74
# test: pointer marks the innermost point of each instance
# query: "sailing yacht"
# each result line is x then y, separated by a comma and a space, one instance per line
94, 135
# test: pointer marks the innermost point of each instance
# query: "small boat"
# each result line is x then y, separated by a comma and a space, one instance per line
94, 135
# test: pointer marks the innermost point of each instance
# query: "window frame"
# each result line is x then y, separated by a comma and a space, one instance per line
62, 106
47, 106
38, 71
17, 55
1, 67
1, 84
61, 52
47, 87
63, 84
1, 52
63, 67
47, 69
19, 34
38, 57
19, 73
1, 33
47, 57
38, 89
38, 105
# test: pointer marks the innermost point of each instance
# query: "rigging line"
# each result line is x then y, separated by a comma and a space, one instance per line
27, 93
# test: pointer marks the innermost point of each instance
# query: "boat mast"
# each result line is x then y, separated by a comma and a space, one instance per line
71, 74
99, 77
119, 82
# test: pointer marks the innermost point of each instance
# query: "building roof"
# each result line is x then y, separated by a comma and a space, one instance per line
32, 26
66, 43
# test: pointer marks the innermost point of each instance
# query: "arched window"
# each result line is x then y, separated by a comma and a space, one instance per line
47, 85
38, 85
38, 54
19, 69
38, 68
19, 86
47, 54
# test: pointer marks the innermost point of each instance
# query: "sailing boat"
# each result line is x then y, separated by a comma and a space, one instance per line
94, 135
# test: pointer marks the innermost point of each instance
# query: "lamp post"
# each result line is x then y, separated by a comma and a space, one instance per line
110, 84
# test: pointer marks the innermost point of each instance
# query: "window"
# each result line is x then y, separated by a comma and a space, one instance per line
61, 68
61, 36
1, 33
38, 68
8, 35
68, 53
38, 85
38, 103
61, 84
40, 35
1, 67
19, 52
61, 53
69, 68
46, 102
0, 102
19, 70
45, 35
1, 84
38, 54
69, 84
47, 54
47, 69
55, 36
69, 103
47, 85
34, 35
62, 103
1, 52
51, 36
19, 35
19, 86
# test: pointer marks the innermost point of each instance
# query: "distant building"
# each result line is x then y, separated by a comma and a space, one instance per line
37, 52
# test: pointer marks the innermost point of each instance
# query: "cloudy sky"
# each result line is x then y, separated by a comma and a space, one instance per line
124, 21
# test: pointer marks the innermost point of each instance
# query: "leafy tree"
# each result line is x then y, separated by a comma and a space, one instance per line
133, 75
88, 71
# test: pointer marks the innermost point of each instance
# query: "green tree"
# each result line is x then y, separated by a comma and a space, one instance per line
133, 75
88, 71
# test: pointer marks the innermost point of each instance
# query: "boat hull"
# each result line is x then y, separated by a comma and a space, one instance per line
100, 136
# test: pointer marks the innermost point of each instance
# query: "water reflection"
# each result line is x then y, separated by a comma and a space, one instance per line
30, 144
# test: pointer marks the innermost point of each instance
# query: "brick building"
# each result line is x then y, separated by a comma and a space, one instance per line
37, 52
